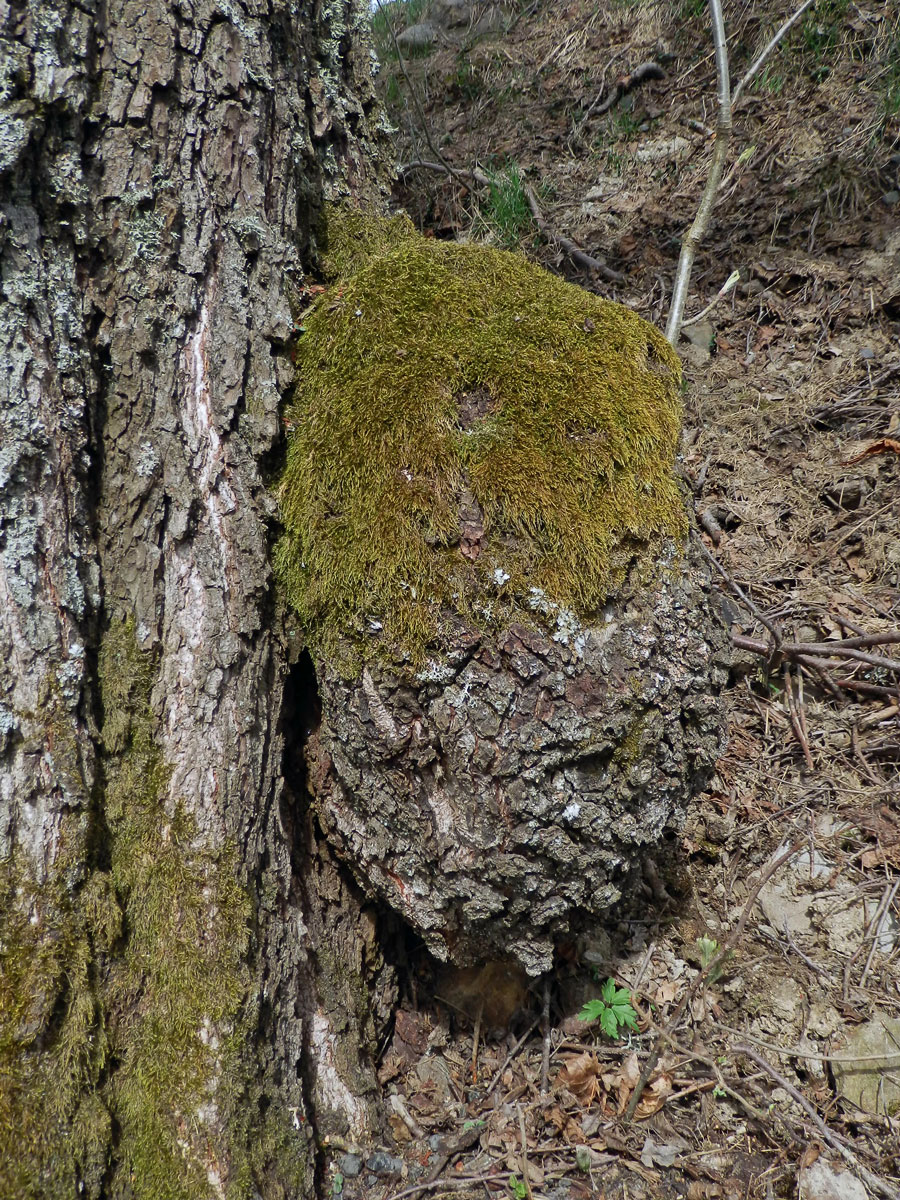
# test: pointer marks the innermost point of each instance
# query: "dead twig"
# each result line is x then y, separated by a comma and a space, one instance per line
577, 255
422, 164
808, 1055
475, 1038
817, 653
460, 1143
432, 1185
741, 594
813, 966
545, 1060
875, 929
498, 1075
715, 963
524, 1155
414, 95
794, 714
399, 1107
878, 1185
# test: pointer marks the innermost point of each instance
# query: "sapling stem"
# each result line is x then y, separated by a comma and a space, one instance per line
726, 103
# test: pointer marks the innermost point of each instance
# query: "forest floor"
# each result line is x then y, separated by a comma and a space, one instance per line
776, 958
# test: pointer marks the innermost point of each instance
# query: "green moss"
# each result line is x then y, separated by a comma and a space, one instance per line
630, 748
125, 996
54, 1130
433, 374
178, 992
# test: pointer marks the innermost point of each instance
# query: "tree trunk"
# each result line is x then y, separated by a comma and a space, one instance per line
184, 972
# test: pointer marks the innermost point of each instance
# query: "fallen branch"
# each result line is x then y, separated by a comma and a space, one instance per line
740, 593
414, 95
574, 252
625, 84
816, 653
874, 1182
820, 658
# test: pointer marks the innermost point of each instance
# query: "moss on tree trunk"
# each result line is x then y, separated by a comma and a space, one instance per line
163, 1003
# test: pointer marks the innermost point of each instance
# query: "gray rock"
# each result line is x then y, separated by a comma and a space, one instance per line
891, 198
418, 38
821, 1181
871, 1083
351, 1165
701, 335
492, 20
382, 1163
451, 14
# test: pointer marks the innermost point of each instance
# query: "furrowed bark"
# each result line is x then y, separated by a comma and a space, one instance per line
169, 1024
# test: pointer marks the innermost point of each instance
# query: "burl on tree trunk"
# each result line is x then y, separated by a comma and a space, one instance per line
518, 659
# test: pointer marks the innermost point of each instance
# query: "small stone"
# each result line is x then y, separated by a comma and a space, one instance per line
869, 1084
890, 198
867, 352
382, 1163
418, 37
492, 21
351, 1165
452, 13
823, 1182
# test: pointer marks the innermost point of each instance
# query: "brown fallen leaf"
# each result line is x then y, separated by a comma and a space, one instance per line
666, 992
884, 445
581, 1077
570, 1130
654, 1096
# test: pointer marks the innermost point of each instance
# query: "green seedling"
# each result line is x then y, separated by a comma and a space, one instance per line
613, 1009
709, 948
518, 1187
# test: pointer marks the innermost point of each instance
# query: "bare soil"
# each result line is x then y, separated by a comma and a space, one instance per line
787, 872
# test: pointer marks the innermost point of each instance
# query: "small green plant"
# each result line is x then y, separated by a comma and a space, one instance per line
892, 78
392, 91
613, 1009
821, 34
709, 948
507, 205
691, 9
771, 80
466, 82
616, 162
518, 1187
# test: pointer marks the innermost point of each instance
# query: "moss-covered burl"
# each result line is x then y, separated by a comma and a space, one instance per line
485, 540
